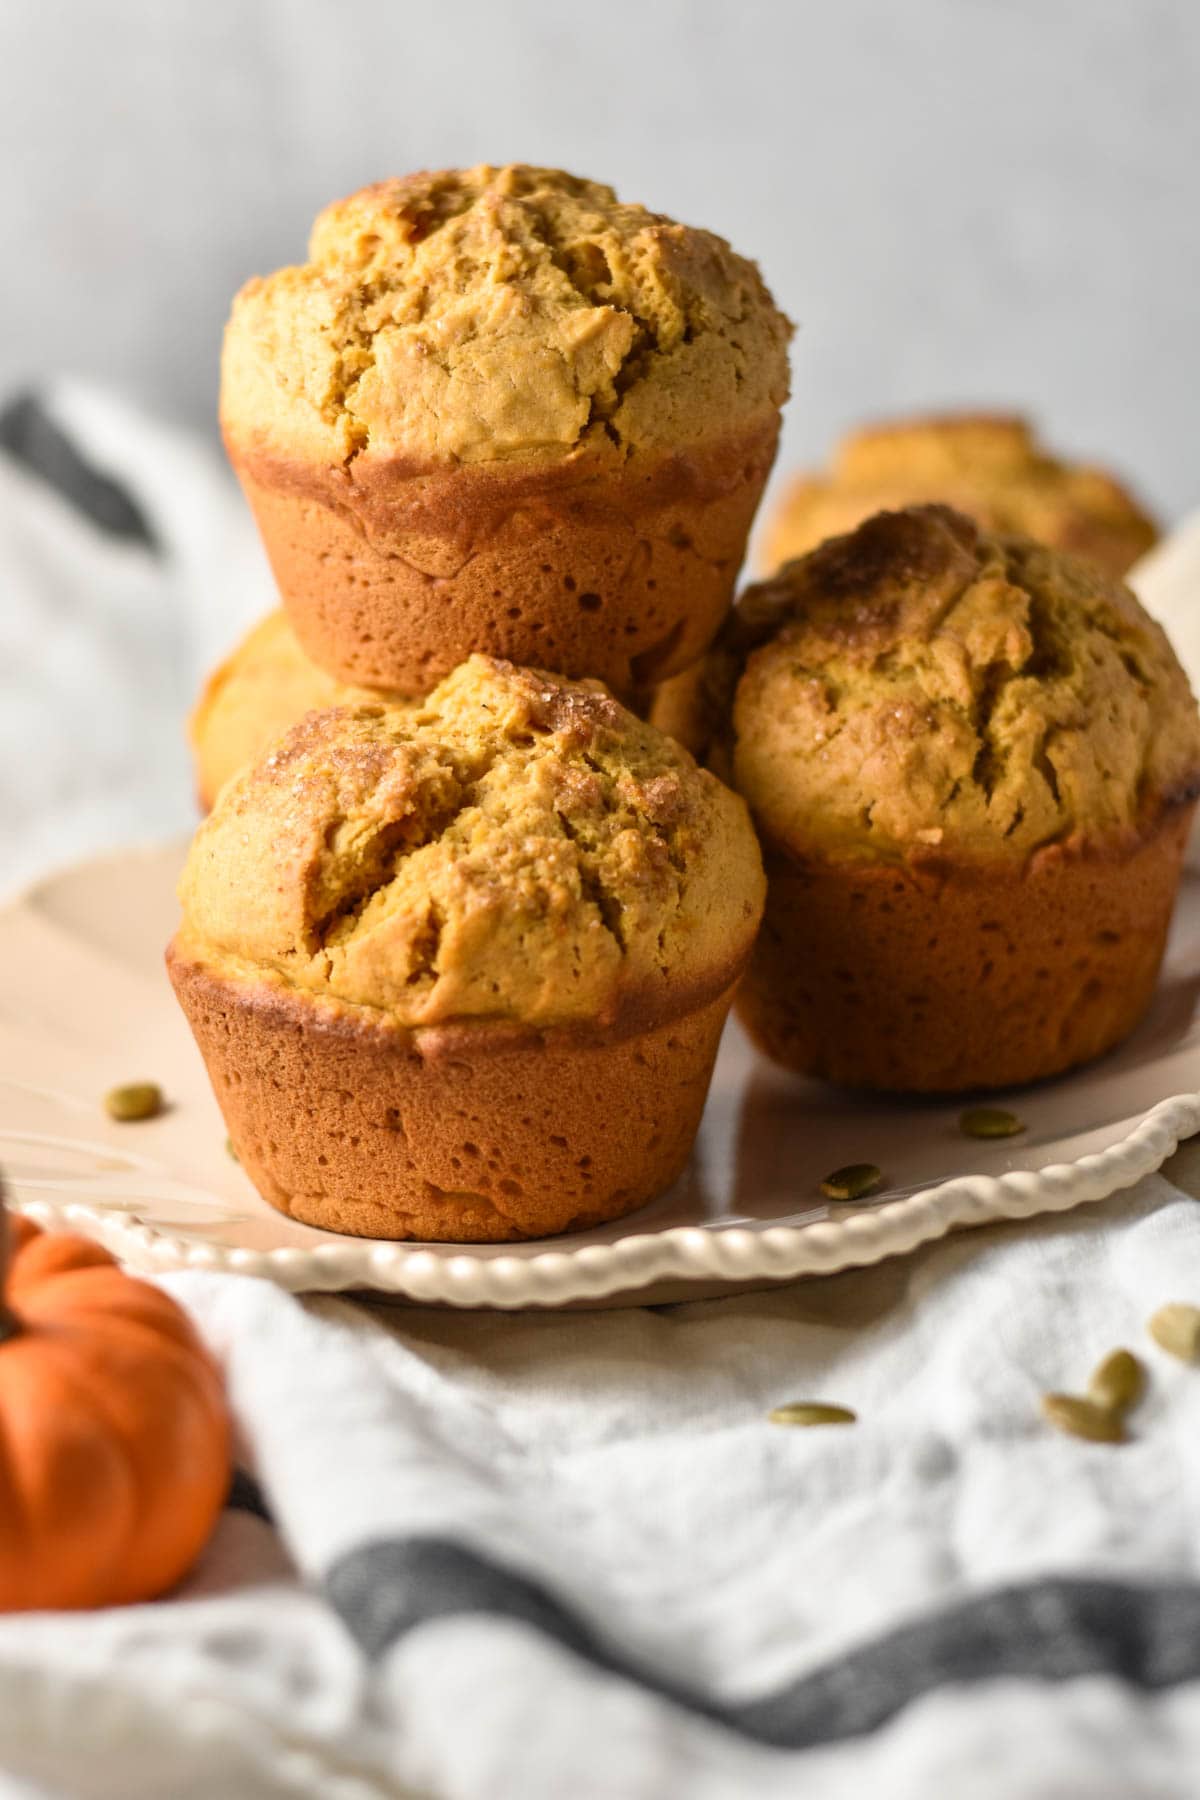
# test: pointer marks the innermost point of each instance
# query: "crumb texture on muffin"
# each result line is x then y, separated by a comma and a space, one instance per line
991, 466
514, 848
498, 313
922, 687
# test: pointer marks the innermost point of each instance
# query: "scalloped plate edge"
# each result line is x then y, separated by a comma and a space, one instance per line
689, 1254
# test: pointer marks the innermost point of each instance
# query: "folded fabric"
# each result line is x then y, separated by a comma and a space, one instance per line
568, 1554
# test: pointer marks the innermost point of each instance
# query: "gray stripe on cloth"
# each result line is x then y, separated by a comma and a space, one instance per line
1057, 1629
31, 438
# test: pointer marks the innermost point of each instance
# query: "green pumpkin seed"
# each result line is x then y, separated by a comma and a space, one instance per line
811, 1412
989, 1122
1083, 1418
230, 1151
854, 1182
136, 1100
1117, 1383
1177, 1328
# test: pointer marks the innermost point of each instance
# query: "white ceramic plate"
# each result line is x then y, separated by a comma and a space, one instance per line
84, 1005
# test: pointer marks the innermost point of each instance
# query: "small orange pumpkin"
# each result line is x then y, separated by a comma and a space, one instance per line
114, 1433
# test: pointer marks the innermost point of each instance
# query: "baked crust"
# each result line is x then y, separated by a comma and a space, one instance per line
595, 565
500, 314
467, 1133
923, 685
514, 846
941, 978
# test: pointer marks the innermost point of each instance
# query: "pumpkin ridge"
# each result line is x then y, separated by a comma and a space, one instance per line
27, 1276
39, 1257
34, 1541
139, 1463
203, 1378
124, 1306
190, 1361
150, 1310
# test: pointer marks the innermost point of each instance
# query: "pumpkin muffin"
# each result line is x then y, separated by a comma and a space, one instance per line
990, 466
459, 968
500, 410
972, 762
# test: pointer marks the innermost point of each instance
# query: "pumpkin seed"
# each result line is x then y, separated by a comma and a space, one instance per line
1117, 1383
989, 1122
230, 1151
811, 1412
854, 1182
1083, 1418
136, 1100
1177, 1328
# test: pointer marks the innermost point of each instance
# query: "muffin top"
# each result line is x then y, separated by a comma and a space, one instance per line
265, 685
515, 848
990, 466
496, 313
921, 688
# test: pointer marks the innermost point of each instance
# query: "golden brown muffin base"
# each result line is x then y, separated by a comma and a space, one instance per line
919, 980
622, 571
471, 1133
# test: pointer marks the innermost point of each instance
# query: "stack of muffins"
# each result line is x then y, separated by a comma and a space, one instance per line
462, 929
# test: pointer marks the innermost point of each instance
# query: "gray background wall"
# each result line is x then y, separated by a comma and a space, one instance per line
983, 200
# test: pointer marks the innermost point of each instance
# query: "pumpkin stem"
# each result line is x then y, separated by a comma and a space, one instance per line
9, 1322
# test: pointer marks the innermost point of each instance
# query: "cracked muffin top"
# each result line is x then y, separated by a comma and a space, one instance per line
496, 313
922, 688
515, 847
988, 465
